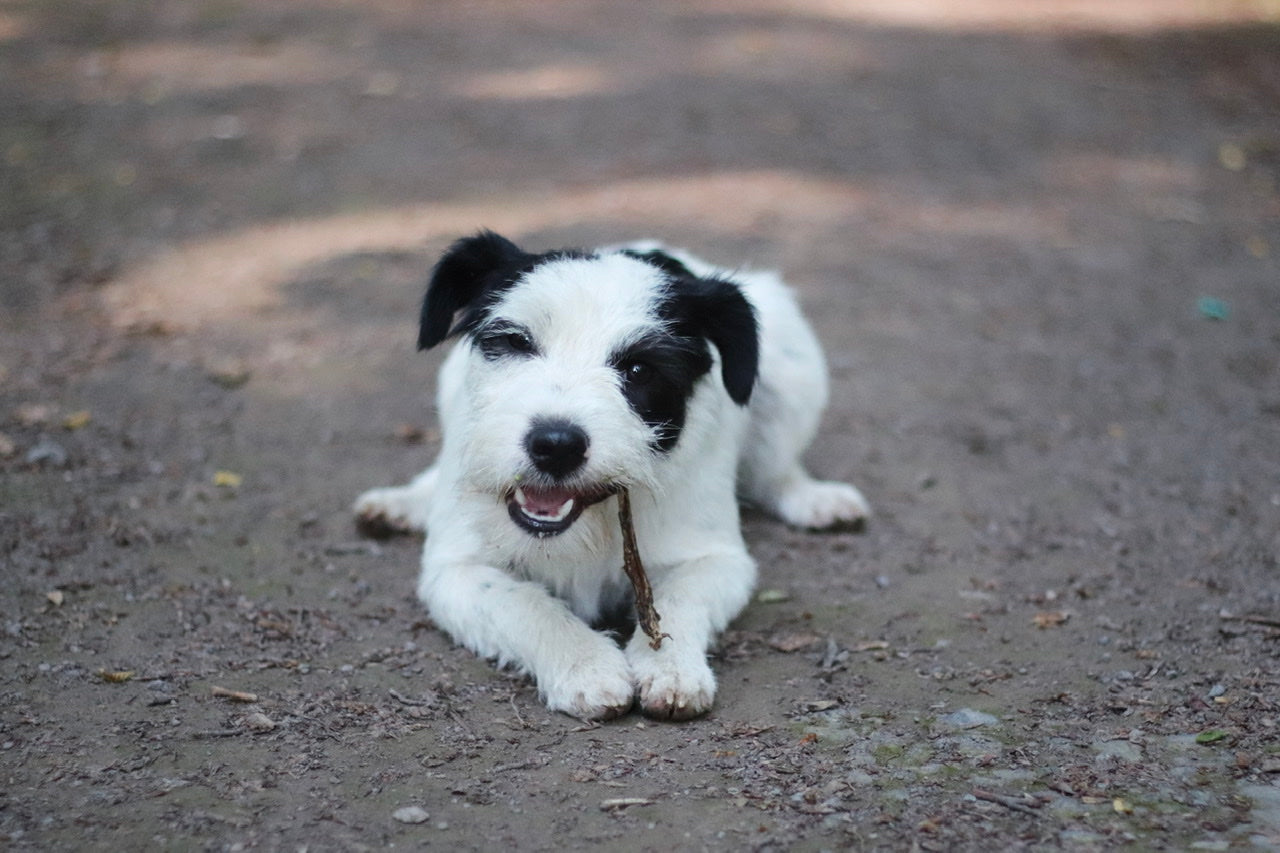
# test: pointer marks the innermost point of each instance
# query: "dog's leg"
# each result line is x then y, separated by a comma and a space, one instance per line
773, 477
397, 509
695, 600
802, 501
578, 671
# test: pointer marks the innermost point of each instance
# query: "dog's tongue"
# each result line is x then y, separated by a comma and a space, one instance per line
545, 503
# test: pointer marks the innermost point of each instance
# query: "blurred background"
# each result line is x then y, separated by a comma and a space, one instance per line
1038, 239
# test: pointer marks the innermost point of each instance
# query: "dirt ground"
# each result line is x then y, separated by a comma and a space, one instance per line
1039, 242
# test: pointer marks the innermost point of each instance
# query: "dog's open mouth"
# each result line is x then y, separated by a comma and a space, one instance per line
546, 511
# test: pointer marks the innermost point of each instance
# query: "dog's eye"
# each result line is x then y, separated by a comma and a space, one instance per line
638, 373
498, 344
518, 342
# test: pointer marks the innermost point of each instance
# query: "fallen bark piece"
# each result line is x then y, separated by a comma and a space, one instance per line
618, 803
646, 616
233, 695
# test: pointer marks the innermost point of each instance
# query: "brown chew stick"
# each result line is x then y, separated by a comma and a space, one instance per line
645, 614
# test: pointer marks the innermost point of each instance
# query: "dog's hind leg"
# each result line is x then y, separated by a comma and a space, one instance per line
784, 418
397, 509
801, 501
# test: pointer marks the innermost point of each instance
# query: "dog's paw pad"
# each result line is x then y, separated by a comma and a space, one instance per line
821, 505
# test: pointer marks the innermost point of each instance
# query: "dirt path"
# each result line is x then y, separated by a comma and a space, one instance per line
1041, 253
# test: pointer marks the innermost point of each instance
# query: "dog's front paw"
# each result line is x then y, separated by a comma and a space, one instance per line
822, 505
594, 687
672, 685
386, 512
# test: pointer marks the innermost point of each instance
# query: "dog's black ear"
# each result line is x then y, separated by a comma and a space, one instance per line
471, 266
718, 311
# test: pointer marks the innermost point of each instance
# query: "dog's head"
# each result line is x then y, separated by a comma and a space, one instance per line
582, 367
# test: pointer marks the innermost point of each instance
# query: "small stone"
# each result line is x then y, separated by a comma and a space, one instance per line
48, 452
967, 718
33, 414
411, 814
259, 722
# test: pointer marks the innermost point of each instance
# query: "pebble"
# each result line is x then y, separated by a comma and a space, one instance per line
967, 718
259, 722
47, 451
411, 814
1121, 750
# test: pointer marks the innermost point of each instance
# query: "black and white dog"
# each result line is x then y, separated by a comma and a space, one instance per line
578, 374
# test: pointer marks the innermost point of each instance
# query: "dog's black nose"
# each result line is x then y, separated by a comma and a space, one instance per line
556, 447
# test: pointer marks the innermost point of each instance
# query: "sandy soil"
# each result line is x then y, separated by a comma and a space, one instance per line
1039, 242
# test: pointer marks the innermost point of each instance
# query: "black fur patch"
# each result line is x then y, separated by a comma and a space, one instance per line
662, 261
658, 375
470, 277
717, 310
659, 372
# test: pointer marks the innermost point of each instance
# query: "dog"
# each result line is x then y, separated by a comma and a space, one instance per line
578, 374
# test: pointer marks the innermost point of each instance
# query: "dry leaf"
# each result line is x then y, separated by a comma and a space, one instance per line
1122, 806
793, 642
1232, 157
1050, 618
116, 676
230, 479
77, 420
813, 706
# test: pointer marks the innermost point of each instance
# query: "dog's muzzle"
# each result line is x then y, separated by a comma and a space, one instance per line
556, 448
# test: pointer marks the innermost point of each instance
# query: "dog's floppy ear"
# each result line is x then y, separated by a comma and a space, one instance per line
471, 266
718, 311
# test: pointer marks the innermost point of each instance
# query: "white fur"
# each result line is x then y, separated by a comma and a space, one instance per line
527, 601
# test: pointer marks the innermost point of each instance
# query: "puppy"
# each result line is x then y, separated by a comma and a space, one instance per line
578, 374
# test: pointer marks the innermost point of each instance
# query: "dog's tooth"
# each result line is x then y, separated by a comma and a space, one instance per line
565, 510
520, 496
